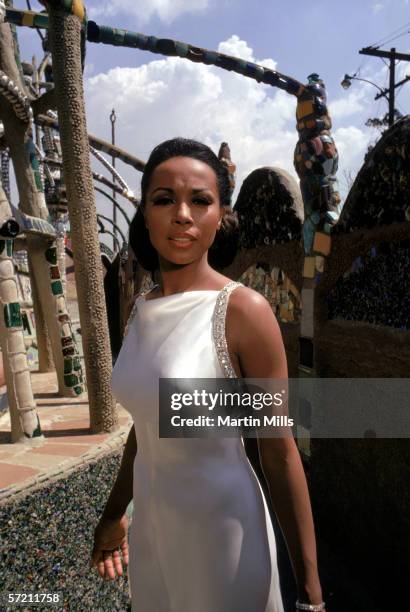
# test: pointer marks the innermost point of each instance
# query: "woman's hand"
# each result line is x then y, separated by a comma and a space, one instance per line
110, 543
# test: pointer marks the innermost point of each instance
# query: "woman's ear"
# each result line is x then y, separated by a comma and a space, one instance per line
218, 227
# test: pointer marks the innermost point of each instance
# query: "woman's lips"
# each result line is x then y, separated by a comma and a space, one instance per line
181, 243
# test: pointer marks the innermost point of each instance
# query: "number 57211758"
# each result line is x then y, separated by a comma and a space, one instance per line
32, 598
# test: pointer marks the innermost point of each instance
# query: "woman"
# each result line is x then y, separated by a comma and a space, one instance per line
201, 538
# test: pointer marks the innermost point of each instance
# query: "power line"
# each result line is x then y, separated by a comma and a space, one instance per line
390, 40
387, 42
382, 41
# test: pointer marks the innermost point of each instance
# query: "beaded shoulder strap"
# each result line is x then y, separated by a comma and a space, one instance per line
131, 317
134, 310
218, 329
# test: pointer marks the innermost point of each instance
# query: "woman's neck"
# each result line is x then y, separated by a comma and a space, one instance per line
185, 278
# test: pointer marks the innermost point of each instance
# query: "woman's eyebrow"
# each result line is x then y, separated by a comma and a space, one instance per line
200, 190
162, 189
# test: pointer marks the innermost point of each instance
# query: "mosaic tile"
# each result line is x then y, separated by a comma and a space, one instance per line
55, 272
12, 315
57, 288
51, 255
309, 267
65, 330
70, 380
322, 243
375, 289
319, 263
68, 365
68, 351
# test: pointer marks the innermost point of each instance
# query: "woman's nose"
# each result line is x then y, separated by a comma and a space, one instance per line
182, 212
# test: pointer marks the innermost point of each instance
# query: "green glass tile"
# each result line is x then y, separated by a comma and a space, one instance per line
9, 247
51, 255
57, 288
76, 363
37, 432
70, 380
12, 315
37, 178
68, 365
78, 390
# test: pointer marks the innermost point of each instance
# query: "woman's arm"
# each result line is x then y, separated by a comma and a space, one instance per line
121, 493
254, 336
288, 490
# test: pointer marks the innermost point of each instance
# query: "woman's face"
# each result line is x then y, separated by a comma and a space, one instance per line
182, 209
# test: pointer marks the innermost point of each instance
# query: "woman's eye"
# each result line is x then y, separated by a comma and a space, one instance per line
163, 200
202, 201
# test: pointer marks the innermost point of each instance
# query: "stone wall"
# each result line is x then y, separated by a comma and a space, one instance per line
359, 488
45, 547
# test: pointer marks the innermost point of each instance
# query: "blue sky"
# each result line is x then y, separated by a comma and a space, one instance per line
156, 98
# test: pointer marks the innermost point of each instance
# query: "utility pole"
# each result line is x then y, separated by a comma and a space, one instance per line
392, 55
113, 119
392, 69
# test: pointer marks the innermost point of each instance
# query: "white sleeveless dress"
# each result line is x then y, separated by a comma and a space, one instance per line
201, 538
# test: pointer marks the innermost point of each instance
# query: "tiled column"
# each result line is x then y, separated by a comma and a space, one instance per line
23, 414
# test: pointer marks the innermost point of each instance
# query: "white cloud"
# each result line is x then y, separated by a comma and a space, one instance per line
348, 104
174, 97
377, 7
352, 143
143, 10
403, 69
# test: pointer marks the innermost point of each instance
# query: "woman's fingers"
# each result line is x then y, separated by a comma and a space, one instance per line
109, 561
116, 556
124, 550
101, 568
108, 564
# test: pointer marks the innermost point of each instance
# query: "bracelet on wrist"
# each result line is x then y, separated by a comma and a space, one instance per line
310, 607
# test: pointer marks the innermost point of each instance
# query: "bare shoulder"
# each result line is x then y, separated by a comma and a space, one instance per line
249, 316
254, 335
246, 303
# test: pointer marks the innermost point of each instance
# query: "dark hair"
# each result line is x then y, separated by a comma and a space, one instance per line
223, 249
